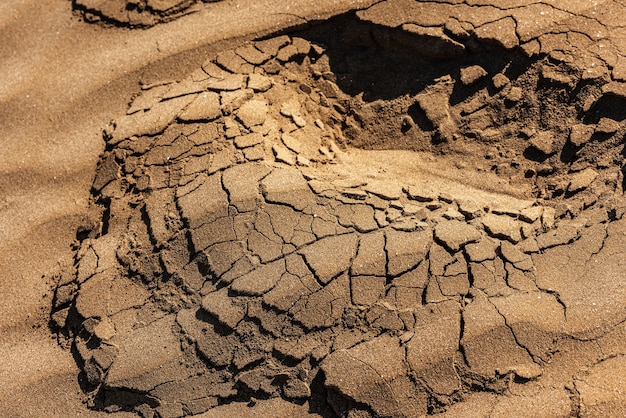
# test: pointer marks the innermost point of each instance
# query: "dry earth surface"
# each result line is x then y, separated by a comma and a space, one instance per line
363, 209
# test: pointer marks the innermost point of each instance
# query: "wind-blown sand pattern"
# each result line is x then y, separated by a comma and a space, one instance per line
415, 208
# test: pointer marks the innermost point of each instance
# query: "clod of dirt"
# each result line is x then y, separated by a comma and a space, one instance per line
344, 222
134, 13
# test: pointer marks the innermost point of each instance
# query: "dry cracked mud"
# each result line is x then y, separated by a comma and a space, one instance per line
397, 212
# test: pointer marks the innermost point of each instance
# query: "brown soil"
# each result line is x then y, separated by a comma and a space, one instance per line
415, 208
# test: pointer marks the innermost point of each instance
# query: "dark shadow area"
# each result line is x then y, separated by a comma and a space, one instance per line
419, 117
533, 154
568, 153
607, 106
384, 64
124, 400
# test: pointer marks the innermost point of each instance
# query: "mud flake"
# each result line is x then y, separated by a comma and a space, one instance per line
205, 107
582, 180
222, 256
405, 250
232, 100
602, 387
531, 214
108, 171
457, 266
515, 95
252, 113
248, 140
148, 357
488, 343
520, 280
552, 74
371, 258
220, 230
367, 290
323, 228
482, 274
420, 194
454, 285
455, 234
564, 233
537, 319
284, 220
431, 350
580, 134
298, 348
252, 55
384, 190
292, 143
147, 98
500, 81
151, 122
502, 227
284, 155
416, 278
607, 126
259, 83
265, 248
325, 307
289, 289
515, 256
98, 297
287, 53
365, 374
221, 160
437, 109
228, 83
439, 258
206, 203
191, 276
220, 305
196, 394
287, 186
232, 62
260, 280
184, 88
384, 318
242, 184
472, 74
158, 212
272, 45
330, 256
501, 32
543, 142
430, 41
363, 218
254, 153
484, 249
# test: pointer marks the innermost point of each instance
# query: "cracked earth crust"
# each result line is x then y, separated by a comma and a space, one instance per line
399, 212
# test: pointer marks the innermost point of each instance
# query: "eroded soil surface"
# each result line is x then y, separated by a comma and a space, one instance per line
411, 209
